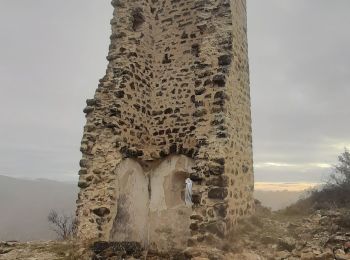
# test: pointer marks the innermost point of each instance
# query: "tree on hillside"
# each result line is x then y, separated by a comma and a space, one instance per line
341, 175
335, 194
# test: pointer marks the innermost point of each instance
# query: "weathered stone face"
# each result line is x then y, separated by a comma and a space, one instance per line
150, 203
177, 82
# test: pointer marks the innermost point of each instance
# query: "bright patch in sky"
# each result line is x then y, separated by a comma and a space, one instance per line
282, 186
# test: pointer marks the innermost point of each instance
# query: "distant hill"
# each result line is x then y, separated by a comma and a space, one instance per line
25, 204
277, 199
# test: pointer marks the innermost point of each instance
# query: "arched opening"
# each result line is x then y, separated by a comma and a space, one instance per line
132, 201
151, 207
169, 216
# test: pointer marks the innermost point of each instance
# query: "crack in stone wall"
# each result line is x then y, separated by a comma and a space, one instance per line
177, 82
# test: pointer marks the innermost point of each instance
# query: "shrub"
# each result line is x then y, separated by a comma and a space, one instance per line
63, 225
334, 194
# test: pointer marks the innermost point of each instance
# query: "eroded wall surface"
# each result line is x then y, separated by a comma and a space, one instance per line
150, 203
132, 200
177, 82
169, 218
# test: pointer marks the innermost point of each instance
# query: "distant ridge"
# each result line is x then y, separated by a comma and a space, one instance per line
25, 204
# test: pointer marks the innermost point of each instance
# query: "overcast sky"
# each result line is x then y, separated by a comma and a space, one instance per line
52, 54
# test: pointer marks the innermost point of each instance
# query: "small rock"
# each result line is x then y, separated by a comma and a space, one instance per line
243, 256
347, 247
282, 255
325, 256
324, 220
5, 251
341, 255
83, 184
192, 252
268, 240
102, 211
286, 244
307, 256
338, 239
88, 109
292, 226
217, 193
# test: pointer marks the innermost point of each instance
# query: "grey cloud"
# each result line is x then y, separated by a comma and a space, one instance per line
52, 54
299, 61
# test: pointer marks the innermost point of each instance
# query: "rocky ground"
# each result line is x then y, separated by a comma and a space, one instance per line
323, 235
48, 250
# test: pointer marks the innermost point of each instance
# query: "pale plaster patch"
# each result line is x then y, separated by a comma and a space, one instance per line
151, 208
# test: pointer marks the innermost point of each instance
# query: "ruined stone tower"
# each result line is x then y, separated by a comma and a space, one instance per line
174, 103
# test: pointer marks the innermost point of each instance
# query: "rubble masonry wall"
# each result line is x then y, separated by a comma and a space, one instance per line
177, 83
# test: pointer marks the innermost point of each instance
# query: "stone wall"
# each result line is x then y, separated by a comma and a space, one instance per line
177, 82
